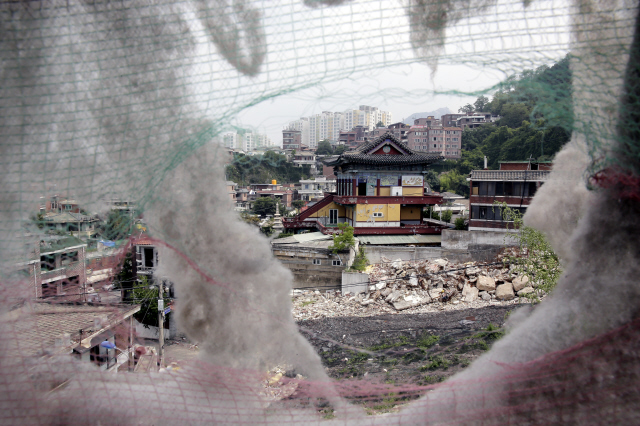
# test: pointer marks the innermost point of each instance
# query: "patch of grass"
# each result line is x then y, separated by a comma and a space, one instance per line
307, 303
327, 413
387, 404
413, 356
492, 332
427, 340
358, 358
482, 345
436, 362
403, 340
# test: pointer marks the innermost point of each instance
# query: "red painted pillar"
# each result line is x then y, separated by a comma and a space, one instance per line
354, 184
378, 187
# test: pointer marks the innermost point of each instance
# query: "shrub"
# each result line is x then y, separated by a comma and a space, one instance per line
460, 225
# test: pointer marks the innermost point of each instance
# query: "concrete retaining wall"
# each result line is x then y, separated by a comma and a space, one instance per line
464, 240
473, 254
354, 282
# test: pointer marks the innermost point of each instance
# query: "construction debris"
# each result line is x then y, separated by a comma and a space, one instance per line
419, 286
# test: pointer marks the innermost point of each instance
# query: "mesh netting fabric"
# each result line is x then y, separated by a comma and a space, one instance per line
105, 99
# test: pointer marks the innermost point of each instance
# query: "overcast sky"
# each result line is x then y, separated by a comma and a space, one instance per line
337, 58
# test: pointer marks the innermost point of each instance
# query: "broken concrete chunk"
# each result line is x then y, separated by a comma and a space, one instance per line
520, 282
505, 292
484, 296
441, 262
472, 271
525, 291
380, 285
407, 302
486, 283
387, 291
413, 281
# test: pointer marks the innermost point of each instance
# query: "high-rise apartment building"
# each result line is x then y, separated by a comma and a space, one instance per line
328, 125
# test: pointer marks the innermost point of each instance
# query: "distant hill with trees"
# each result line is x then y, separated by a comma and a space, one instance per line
536, 121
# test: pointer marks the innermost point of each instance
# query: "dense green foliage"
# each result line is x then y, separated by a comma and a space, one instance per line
247, 169
147, 297
361, 261
537, 119
324, 148
460, 225
536, 258
266, 205
118, 226
344, 239
298, 204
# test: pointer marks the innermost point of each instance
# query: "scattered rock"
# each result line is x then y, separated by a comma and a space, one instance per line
520, 282
525, 291
486, 283
505, 292
472, 271
470, 295
441, 262
387, 291
484, 296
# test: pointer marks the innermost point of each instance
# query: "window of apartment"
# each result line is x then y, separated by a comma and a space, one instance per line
148, 257
336, 262
67, 258
317, 262
434, 138
48, 262
434, 145
377, 214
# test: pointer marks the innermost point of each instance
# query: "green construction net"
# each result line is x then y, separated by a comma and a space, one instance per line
108, 104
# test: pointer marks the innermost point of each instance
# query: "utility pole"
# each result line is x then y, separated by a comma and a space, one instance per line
161, 324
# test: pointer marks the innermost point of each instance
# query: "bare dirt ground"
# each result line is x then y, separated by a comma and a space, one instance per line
416, 349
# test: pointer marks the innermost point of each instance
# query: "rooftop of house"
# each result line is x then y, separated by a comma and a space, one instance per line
41, 325
366, 154
68, 217
57, 244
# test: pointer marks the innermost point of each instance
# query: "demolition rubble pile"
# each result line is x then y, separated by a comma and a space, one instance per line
429, 284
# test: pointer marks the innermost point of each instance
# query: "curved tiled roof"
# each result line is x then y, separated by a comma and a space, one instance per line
361, 155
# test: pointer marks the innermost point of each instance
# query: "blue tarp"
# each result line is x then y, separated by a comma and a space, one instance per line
107, 243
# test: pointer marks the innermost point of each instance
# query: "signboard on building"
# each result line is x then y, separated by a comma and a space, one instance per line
388, 180
412, 181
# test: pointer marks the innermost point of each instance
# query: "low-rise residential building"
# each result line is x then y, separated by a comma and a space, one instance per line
315, 188
78, 224
285, 196
475, 119
291, 139
515, 184
48, 329
231, 190
429, 121
313, 264
58, 268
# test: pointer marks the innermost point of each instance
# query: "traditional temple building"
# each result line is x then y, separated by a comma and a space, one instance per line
380, 190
